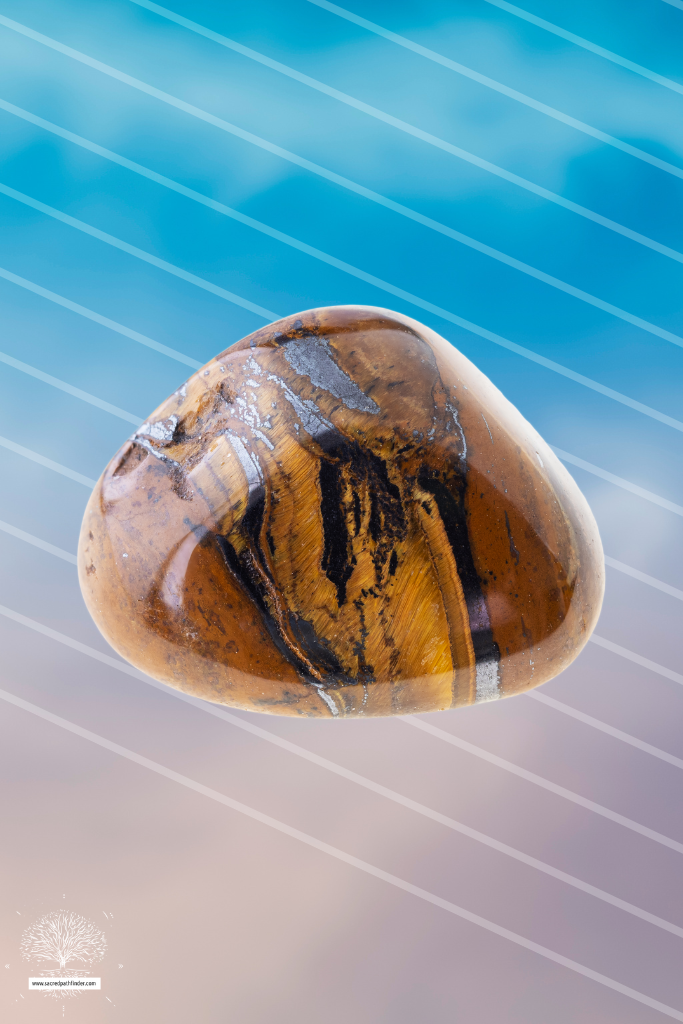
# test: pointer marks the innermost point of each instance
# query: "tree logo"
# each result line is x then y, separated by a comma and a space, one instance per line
63, 938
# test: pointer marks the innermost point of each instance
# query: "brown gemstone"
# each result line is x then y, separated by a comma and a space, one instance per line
341, 516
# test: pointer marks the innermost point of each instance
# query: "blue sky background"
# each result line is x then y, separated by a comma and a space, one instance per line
164, 849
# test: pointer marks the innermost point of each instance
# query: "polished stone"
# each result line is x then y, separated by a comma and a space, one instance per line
341, 516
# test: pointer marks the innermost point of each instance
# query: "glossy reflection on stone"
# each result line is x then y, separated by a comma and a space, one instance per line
341, 516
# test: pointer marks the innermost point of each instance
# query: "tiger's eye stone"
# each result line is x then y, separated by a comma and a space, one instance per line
341, 516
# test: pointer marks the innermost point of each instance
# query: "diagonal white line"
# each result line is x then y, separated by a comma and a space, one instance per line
97, 318
347, 268
637, 659
643, 577
70, 390
132, 250
323, 172
470, 748
26, 453
28, 538
427, 812
609, 730
460, 69
369, 784
538, 780
257, 225
377, 282
396, 122
638, 69
340, 855
618, 481
675, 3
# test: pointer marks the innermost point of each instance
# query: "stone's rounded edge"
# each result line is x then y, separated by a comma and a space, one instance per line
232, 687
589, 592
583, 612
350, 317
572, 635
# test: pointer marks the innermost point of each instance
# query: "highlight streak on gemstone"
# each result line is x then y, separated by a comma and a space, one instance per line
249, 463
488, 681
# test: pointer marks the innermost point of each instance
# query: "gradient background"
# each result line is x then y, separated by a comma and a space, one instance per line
219, 918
